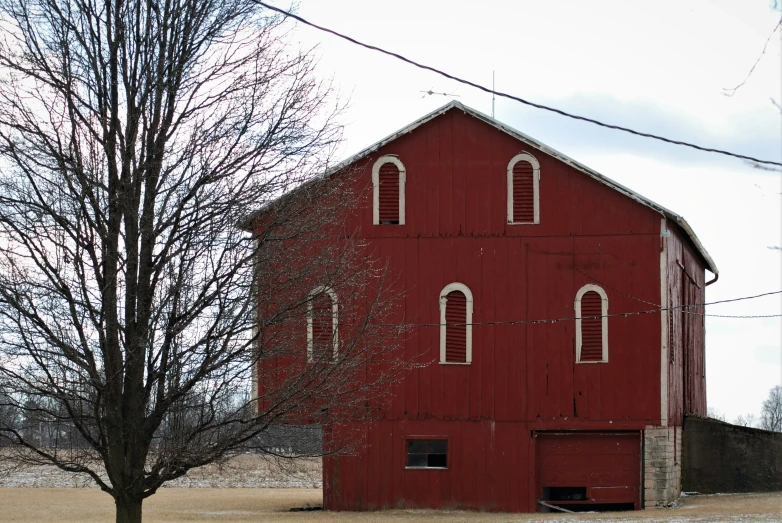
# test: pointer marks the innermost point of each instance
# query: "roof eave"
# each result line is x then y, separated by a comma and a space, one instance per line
246, 223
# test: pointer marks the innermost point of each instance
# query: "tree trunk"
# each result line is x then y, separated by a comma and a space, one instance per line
128, 510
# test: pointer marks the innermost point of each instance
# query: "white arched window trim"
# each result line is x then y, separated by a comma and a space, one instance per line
456, 286
334, 321
524, 157
604, 313
376, 187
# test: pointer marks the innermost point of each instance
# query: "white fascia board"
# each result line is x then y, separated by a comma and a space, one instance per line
711, 266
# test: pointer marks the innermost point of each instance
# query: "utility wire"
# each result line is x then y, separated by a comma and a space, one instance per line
617, 314
683, 307
510, 96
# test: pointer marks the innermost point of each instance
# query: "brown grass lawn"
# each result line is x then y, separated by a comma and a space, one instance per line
65, 505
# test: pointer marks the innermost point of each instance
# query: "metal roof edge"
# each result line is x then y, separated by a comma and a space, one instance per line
246, 223
393, 136
681, 222
600, 178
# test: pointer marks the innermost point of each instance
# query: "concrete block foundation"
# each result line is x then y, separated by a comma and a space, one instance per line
662, 465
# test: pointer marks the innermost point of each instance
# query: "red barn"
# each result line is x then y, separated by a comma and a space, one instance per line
568, 348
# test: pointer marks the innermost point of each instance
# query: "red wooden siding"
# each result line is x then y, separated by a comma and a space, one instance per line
687, 357
388, 196
522, 379
591, 327
608, 465
456, 230
456, 327
523, 193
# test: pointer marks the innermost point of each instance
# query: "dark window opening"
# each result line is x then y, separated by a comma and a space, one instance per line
427, 453
564, 493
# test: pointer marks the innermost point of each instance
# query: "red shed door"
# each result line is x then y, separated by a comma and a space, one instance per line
589, 471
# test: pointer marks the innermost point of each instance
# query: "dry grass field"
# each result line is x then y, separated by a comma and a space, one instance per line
250, 488
273, 505
243, 471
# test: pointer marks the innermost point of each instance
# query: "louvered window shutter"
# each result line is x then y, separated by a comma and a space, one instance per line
388, 197
523, 193
322, 329
591, 327
456, 328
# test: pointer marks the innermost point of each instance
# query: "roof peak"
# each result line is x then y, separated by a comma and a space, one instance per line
453, 104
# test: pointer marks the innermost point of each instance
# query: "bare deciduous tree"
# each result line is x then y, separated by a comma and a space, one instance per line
134, 137
713, 413
771, 412
746, 420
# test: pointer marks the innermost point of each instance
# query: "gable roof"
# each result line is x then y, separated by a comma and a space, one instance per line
680, 221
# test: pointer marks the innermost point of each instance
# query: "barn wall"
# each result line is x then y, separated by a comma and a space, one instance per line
523, 377
492, 466
456, 230
687, 337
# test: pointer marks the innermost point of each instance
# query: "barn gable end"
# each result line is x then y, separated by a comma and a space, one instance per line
563, 279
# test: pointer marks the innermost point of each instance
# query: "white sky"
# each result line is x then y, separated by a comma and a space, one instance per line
657, 66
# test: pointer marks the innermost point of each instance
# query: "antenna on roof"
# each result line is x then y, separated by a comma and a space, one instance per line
492, 94
430, 92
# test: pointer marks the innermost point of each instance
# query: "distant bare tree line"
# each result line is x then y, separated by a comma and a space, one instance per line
770, 413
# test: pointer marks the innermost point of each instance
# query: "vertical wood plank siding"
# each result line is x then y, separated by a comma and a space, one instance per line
686, 366
522, 379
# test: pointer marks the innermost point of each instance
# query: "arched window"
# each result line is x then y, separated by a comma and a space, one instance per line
322, 320
456, 324
591, 325
523, 189
388, 191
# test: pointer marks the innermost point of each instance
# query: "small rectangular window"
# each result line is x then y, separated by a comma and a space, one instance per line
427, 453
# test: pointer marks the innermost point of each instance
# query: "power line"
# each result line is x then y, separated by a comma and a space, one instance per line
613, 315
512, 97
683, 307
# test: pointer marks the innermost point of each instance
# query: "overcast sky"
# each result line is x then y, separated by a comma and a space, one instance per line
657, 66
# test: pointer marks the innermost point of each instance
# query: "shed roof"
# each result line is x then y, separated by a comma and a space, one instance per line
680, 221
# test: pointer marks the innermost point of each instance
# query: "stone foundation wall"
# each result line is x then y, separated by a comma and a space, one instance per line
662, 465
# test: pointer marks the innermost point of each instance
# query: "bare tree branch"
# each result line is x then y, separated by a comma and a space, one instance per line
732, 91
134, 136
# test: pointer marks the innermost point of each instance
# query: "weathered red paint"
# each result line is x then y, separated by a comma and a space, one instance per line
523, 380
687, 358
607, 464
